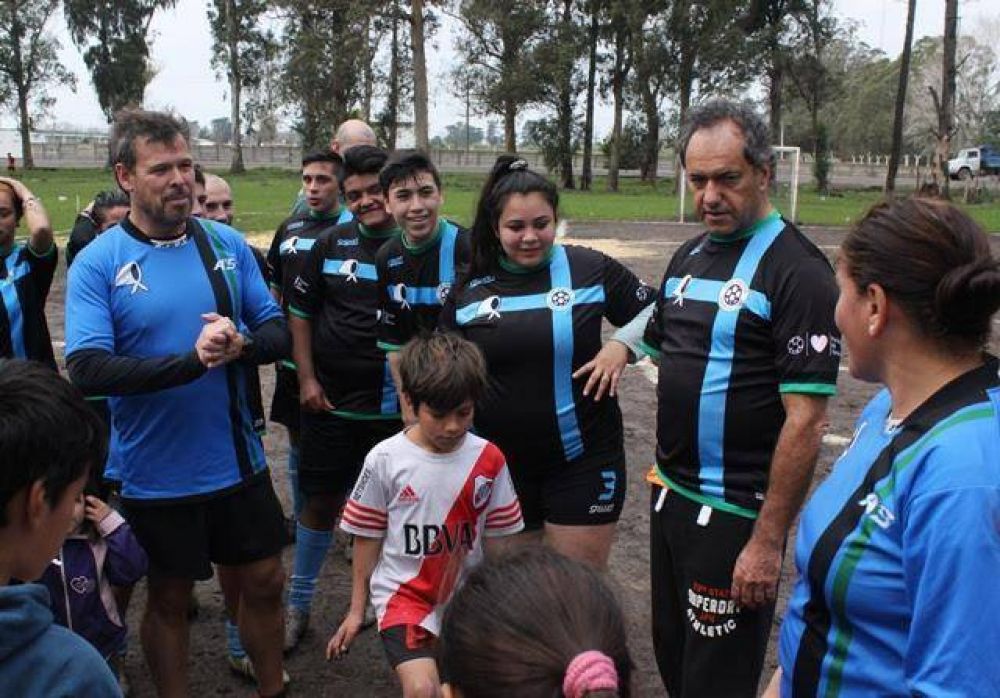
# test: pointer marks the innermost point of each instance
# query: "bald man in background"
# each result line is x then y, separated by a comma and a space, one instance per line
351, 133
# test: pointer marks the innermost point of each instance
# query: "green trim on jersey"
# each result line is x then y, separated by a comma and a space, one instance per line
387, 346
367, 232
711, 502
364, 416
328, 216
299, 313
422, 247
515, 268
289, 364
736, 237
650, 350
857, 545
808, 388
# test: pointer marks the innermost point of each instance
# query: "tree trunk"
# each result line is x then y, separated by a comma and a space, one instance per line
510, 126
235, 86
369, 87
614, 157
27, 159
897, 121
946, 114
565, 111
393, 100
419, 74
775, 83
651, 140
586, 174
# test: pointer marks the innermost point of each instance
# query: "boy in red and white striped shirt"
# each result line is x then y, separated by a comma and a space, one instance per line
422, 508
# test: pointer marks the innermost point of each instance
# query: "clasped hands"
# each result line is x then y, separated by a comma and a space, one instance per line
219, 341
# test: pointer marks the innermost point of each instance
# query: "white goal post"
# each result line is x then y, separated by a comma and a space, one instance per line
793, 183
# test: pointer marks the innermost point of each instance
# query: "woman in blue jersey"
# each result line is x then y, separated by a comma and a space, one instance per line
535, 309
898, 551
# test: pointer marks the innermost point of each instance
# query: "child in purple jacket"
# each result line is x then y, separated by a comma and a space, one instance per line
99, 553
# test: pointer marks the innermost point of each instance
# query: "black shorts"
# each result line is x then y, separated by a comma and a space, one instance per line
697, 627
405, 642
285, 403
586, 492
235, 528
332, 450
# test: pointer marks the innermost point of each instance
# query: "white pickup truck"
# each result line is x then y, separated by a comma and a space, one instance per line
983, 160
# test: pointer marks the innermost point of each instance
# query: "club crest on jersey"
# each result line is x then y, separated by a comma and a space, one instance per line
877, 511
130, 275
398, 294
559, 299
643, 292
443, 290
489, 308
733, 295
482, 488
349, 268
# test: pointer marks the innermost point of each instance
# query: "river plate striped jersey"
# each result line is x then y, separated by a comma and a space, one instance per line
291, 244
535, 328
898, 555
131, 296
25, 279
415, 281
738, 322
337, 292
432, 511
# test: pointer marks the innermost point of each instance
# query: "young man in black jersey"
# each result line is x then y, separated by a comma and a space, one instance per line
417, 270
348, 399
350, 134
748, 351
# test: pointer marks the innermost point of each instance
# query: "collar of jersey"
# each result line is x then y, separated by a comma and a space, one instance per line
515, 268
133, 230
331, 216
367, 232
736, 237
424, 246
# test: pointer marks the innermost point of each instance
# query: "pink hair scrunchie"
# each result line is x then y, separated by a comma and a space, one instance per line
589, 671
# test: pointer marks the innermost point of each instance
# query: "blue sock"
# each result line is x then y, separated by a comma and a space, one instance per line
233, 640
293, 479
310, 552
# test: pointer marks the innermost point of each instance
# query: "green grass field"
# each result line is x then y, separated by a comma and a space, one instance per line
263, 198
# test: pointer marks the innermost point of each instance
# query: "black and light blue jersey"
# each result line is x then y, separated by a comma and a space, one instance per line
337, 291
535, 328
25, 279
415, 281
291, 244
738, 322
898, 555
128, 295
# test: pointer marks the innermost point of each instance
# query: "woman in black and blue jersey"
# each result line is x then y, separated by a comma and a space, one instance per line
535, 309
898, 551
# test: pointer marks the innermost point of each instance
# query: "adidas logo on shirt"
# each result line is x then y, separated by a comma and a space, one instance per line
408, 496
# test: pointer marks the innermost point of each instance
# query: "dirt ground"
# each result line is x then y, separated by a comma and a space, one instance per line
645, 248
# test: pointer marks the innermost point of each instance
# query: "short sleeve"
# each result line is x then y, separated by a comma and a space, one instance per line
806, 340
652, 337
503, 515
949, 536
307, 288
274, 258
89, 323
625, 294
258, 304
365, 513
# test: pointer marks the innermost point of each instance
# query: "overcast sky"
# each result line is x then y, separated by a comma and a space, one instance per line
181, 47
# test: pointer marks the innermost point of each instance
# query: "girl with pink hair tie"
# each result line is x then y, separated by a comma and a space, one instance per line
534, 624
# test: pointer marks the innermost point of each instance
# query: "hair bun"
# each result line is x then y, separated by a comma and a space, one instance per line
968, 295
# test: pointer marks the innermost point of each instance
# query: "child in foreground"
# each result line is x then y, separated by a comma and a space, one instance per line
422, 507
534, 624
100, 553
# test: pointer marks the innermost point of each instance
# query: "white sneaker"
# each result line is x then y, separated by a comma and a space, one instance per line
243, 667
296, 625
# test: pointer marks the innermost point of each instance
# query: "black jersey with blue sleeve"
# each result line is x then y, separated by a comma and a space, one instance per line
290, 247
414, 282
187, 432
535, 328
337, 292
739, 321
25, 279
898, 554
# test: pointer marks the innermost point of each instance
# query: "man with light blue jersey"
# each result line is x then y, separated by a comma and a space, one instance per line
748, 353
166, 315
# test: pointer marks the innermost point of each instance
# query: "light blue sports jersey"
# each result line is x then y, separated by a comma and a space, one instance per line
898, 553
131, 297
